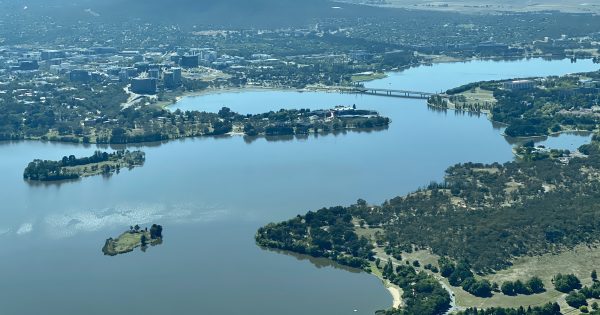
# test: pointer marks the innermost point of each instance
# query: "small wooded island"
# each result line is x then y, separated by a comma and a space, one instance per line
132, 238
100, 163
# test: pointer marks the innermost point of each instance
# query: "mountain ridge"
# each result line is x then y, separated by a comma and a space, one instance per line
232, 13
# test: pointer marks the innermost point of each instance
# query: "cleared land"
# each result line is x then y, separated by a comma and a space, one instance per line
130, 240
368, 76
579, 261
482, 6
476, 96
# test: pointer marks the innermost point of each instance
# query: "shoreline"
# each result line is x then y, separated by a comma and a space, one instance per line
489, 117
394, 290
310, 88
428, 61
216, 91
396, 294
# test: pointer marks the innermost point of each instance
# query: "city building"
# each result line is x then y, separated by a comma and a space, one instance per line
188, 61
177, 74
143, 85
360, 55
173, 78
28, 65
519, 85
208, 55
588, 83
123, 76
127, 73
104, 50
142, 66
154, 73
53, 54
176, 59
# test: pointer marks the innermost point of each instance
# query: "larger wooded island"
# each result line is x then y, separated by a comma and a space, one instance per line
72, 167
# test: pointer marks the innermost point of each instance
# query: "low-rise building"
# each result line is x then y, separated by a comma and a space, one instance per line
519, 85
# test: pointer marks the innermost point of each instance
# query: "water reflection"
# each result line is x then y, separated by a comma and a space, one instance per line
317, 262
303, 137
5, 143
569, 140
457, 112
59, 183
144, 247
56, 183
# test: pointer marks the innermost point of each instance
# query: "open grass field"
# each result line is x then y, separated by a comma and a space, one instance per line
364, 77
475, 98
128, 241
579, 261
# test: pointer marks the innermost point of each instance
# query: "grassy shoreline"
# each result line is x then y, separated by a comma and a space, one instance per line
580, 261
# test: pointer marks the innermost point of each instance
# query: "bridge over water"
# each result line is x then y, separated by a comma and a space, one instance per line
375, 91
395, 93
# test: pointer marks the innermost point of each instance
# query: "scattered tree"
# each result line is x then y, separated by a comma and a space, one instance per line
576, 299
566, 283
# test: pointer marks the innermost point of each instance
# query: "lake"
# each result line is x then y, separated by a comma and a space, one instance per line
211, 195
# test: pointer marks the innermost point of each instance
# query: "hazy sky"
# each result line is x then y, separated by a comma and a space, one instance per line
215, 12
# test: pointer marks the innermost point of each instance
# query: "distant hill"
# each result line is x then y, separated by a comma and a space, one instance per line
233, 13
478, 6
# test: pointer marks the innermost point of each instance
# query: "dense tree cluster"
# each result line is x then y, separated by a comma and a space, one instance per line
423, 294
541, 111
483, 214
576, 299
514, 214
566, 282
304, 121
156, 231
328, 232
532, 286
548, 309
57, 108
67, 167
461, 275
577, 296
44, 170
558, 103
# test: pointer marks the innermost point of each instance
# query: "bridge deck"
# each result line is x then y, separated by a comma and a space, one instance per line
381, 92
395, 91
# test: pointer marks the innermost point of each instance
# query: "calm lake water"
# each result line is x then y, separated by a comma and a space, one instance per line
211, 194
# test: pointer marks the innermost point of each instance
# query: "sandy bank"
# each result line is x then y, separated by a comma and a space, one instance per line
396, 294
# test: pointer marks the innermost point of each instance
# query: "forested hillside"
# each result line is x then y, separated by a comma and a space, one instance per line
483, 214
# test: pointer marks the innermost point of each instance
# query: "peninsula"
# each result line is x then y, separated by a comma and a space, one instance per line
468, 242
71, 167
531, 107
133, 238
